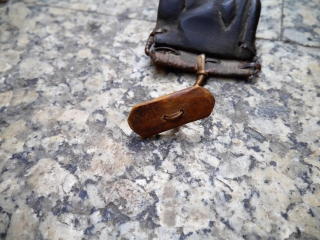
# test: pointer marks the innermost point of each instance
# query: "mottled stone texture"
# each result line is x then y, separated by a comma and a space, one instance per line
71, 168
302, 22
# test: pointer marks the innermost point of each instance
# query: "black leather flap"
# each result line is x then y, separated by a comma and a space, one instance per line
220, 28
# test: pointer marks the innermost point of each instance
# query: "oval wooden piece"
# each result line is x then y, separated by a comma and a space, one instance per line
171, 111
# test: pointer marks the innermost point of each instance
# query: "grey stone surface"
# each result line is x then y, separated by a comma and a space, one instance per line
270, 20
134, 9
301, 22
71, 168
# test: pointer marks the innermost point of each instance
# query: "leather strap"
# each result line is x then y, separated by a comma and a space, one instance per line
187, 61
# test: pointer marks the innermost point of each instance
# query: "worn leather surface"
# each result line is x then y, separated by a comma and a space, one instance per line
219, 28
187, 61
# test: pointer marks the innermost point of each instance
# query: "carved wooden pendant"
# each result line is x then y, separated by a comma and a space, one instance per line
171, 111
175, 109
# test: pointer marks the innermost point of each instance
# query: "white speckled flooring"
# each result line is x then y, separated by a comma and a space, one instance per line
71, 168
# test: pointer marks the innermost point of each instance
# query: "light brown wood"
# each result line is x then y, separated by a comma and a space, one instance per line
171, 111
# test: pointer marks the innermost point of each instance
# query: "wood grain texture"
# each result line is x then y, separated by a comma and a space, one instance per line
171, 111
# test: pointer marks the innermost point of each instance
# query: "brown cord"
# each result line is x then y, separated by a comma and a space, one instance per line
150, 40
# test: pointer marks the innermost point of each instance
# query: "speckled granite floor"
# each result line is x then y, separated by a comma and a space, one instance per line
71, 168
